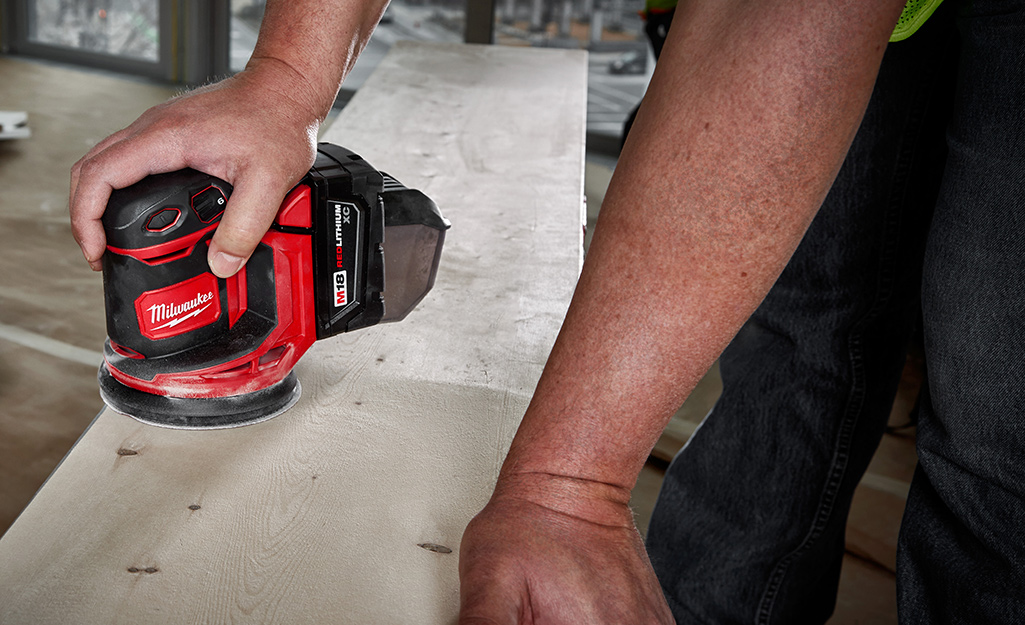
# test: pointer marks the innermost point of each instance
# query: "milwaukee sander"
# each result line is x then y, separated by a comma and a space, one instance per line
350, 247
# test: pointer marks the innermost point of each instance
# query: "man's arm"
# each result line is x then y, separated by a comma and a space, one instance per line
257, 129
750, 112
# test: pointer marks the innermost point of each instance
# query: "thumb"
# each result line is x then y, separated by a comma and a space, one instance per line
250, 211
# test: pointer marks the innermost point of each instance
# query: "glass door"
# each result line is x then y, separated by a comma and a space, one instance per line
128, 28
132, 36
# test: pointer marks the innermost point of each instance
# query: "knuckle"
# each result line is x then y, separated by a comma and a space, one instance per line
89, 168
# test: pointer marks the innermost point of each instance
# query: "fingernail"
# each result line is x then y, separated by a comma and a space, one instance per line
225, 265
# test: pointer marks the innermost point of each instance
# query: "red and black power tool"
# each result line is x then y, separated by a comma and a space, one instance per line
351, 247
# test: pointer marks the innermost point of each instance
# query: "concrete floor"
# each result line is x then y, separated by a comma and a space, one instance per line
52, 326
51, 306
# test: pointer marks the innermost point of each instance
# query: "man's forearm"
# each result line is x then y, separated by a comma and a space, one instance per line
749, 115
316, 42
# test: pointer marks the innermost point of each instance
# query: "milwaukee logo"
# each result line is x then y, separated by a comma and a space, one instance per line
179, 308
162, 312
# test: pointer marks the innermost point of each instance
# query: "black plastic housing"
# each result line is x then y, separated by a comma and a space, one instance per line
346, 202
399, 236
414, 234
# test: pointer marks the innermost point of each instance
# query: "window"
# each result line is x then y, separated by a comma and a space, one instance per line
127, 28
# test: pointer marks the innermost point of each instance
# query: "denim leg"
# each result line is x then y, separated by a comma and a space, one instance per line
961, 556
749, 525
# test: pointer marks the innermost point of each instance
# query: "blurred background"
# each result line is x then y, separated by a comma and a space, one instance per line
193, 43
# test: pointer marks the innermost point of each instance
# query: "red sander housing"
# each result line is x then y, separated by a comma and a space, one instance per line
351, 247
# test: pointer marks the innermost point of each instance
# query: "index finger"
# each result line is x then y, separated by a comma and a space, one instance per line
121, 163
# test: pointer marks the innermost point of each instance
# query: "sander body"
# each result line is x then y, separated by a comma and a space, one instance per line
351, 247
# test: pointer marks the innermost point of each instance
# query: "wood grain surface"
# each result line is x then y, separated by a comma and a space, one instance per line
349, 508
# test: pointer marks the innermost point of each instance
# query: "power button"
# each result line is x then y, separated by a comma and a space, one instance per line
163, 219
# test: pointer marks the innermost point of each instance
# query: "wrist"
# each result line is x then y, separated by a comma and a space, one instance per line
310, 102
595, 502
579, 446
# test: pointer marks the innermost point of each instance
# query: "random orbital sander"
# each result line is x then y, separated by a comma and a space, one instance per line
350, 247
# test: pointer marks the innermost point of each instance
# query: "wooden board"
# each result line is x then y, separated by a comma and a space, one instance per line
317, 515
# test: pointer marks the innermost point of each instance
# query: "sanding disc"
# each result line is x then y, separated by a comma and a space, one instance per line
199, 414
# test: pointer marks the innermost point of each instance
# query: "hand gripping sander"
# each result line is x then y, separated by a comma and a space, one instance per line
351, 247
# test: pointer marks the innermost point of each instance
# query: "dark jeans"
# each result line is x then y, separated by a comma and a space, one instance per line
927, 216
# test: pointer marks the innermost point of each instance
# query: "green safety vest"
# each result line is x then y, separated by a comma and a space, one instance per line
659, 6
912, 17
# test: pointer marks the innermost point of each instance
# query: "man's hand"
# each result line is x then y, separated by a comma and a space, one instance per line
257, 130
555, 550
